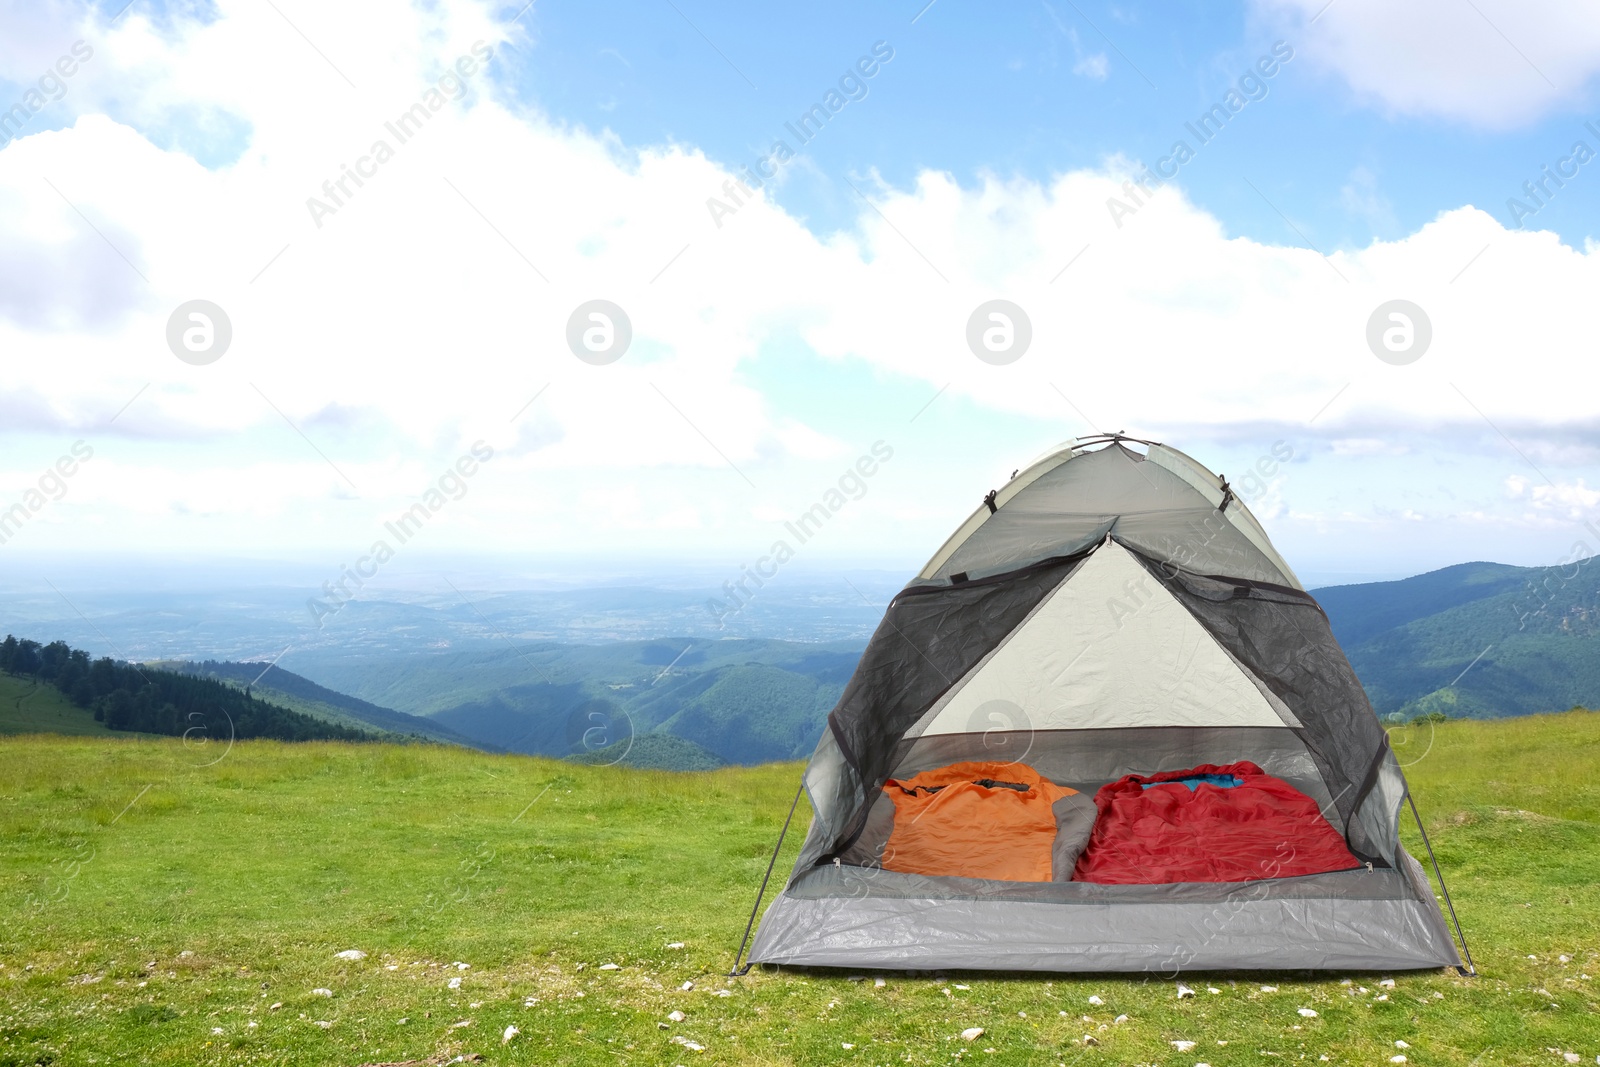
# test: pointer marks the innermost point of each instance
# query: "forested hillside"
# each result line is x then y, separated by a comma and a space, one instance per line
1478, 639
124, 696
282, 687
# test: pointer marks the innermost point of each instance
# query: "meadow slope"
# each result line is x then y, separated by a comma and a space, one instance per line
170, 904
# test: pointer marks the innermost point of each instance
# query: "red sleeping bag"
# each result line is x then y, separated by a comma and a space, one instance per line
1261, 827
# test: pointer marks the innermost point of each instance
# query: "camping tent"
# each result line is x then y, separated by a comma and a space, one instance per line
1105, 729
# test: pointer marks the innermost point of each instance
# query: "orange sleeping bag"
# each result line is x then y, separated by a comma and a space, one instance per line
976, 819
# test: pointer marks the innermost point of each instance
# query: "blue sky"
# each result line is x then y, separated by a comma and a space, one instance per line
1038, 89
379, 334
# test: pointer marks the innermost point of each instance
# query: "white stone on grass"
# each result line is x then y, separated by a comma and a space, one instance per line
320, 992
610, 967
1183, 1046
350, 954
972, 1033
1096, 1001
1308, 1013
511, 1032
677, 1016
1184, 991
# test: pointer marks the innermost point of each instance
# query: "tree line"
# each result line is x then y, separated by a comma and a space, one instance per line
126, 696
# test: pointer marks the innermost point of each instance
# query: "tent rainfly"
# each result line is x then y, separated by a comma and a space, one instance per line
1105, 729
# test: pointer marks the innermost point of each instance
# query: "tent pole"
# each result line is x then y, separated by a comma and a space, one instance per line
737, 971
1470, 970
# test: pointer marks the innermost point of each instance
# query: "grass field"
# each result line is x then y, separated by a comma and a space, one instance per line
27, 707
168, 906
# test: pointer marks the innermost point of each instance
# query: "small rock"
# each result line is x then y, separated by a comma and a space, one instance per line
963, 987
1096, 1001
677, 1016
1572, 1057
1387, 983
685, 987
185, 954
511, 1032
846, 1045
1397, 1059
692, 1046
1183, 1046
275, 1007
458, 965
610, 967
1119, 1020
972, 1033
350, 954
1022, 1015
324, 1023
216, 1029
661, 1026
675, 944
1308, 1013
404, 1021
459, 1025
723, 993
1184, 991
1564, 959
1401, 1044
1090, 1039
878, 983
1383, 996
320, 992
1212, 989
455, 983
1269, 989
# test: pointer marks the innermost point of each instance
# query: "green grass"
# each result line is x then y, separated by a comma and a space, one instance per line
153, 900
29, 708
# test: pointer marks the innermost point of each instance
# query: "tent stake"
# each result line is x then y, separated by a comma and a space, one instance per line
1470, 970
737, 971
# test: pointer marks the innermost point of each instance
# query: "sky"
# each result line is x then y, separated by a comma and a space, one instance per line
643, 281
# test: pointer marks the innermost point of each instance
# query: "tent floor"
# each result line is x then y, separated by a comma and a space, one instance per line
1348, 920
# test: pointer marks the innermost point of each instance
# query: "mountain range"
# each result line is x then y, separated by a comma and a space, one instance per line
1475, 640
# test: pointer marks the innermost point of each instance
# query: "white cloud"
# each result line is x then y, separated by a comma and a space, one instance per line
428, 310
1494, 63
1095, 67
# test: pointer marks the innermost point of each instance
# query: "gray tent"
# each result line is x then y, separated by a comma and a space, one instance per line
1106, 613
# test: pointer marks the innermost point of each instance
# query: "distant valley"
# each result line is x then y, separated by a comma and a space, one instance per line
1475, 640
